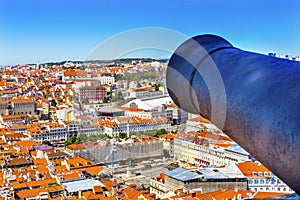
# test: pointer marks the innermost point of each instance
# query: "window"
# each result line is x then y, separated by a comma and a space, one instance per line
259, 173
254, 174
262, 181
266, 173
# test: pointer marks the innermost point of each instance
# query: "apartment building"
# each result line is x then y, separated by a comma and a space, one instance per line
144, 92
106, 80
204, 180
54, 132
261, 179
113, 127
93, 93
17, 106
206, 148
179, 116
200, 123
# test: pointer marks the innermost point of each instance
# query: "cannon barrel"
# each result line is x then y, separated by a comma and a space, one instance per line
253, 98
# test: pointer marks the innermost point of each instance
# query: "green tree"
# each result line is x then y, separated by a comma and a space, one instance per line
72, 139
92, 138
157, 85
67, 143
78, 140
105, 100
47, 142
83, 137
160, 132
108, 137
101, 137
122, 135
117, 97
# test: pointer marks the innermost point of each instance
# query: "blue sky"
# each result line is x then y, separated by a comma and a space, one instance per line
56, 30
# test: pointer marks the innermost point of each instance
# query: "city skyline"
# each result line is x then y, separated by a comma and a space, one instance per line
34, 31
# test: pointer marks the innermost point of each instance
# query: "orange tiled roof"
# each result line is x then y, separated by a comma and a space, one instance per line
247, 168
161, 177
231, 194
130, 109
263, 195
19, 126
69, 176
209, 195
25, 143
13, 136
109, 184
200, 119
135, 120
91, 196
76, 146
23, 194
39, 161
3, 101
94, 170
21, 100
97, 189
114, 68
131, 193
207, 134
92, 87
173, 105
17, 185
142, 89
60, 168
14, 116
223, 144
42, 183
55, 188
75, 73
83, 117
168, 136
79, 162
85, 145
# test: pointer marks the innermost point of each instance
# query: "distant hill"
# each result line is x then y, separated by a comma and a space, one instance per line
115, 61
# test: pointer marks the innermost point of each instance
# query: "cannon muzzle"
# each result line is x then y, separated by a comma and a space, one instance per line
253, 98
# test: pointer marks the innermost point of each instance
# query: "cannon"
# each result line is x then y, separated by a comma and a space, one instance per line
253, 98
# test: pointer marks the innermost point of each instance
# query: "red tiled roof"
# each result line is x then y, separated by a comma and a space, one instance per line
263, 195
200, 119
249, 167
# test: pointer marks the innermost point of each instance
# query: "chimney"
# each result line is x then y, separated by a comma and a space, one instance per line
37, 175
28, 177
114, 190
79, 194
192, 194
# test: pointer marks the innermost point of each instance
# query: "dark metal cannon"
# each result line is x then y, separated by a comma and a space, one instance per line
253, 98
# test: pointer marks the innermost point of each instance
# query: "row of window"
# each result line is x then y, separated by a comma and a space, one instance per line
279, 189
260, 174
19, 105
